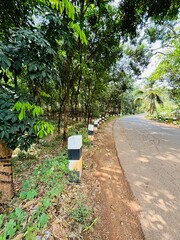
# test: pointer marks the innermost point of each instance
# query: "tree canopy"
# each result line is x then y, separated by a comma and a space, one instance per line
80, 58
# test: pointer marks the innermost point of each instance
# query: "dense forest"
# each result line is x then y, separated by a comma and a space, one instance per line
64, 62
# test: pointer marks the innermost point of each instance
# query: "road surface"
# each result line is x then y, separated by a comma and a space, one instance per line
149, 153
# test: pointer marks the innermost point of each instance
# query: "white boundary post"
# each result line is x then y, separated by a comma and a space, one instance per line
174, 120
91, 132
75, 157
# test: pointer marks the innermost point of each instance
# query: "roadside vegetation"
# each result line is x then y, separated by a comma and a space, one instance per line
63, 64
45, 204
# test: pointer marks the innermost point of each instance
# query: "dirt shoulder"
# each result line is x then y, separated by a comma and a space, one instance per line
109, 192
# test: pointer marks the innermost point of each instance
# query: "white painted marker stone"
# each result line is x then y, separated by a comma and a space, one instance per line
75, 157
91, 132
90, 129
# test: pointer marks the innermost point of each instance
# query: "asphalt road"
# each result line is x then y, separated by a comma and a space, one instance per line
149, 153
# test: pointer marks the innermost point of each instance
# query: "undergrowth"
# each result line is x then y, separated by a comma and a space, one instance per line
51, 175
29, 212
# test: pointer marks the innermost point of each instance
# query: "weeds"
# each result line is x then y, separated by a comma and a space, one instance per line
52, 174
81, 214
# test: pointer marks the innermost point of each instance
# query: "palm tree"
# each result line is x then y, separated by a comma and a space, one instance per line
151, 96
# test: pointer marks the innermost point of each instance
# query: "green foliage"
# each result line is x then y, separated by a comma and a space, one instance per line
21, 156
19, 215
10, 229
133, 12
43, 128
150, 97
50, 174
5, 62
42, 220
31, 232
62, 6
29, 191
46, 202
72, 59
79, 32
16, 219
22, 11
81, 213
22, 107
80, 128
19, 123
168, 70
31, 194
27, 56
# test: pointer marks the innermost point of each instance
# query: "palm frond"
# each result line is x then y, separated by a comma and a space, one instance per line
138, 99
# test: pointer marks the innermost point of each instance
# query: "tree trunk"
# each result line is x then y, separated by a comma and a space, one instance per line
76, 99
59, 120
6, 177
66, 100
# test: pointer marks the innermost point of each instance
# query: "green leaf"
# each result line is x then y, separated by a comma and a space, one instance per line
42, 220
21, 115
31, 194
83, 37
20, 215
4, 62
47, 202
41, 134
8, 117
61, 7
44, 74
22, 195
26, 185
17, 106
2, 134
10, 228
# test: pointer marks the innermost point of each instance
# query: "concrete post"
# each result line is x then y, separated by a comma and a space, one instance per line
174, 120
75, 157
91, 132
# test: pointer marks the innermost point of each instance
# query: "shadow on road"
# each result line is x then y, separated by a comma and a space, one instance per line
150, 156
